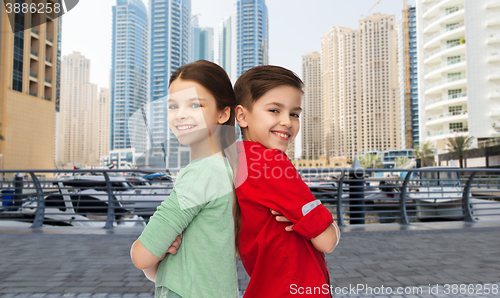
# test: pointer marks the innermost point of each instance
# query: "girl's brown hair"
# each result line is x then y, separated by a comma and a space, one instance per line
251, 86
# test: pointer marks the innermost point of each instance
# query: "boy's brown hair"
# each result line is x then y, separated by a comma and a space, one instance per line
254, 83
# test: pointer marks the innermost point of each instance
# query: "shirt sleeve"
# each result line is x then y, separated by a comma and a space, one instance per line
281, 188
172, 216
198, 184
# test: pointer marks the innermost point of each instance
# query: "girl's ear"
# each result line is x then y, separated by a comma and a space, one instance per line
240, 114
224, 115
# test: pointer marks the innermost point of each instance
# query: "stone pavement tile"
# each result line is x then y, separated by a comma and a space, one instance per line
111, 290
143, 289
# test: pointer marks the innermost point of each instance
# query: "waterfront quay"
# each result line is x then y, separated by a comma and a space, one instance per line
94, 262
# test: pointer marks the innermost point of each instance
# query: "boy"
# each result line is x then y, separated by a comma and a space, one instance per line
280, 264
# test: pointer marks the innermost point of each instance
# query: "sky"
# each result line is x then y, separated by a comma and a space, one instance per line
295, 27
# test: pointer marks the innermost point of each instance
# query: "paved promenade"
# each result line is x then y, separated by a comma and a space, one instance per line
72, 262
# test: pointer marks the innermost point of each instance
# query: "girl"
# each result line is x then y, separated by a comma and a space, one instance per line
201, 114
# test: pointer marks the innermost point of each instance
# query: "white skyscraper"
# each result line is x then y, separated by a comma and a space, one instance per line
459, 69
76, 123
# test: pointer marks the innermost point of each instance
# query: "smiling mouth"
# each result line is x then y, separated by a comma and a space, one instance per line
281, 135
184, 127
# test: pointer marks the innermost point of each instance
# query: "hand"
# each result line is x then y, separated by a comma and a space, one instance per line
173, 248
281, 218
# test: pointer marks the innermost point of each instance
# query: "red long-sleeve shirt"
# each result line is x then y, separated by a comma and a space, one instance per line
280, 263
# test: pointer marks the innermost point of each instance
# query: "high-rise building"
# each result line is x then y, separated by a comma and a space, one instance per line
201, 42
76, 126
129, 77
169, 41
227, 45
408, 78
360, 87
103, 113
252, 35
311, 124
459, 47
28, 89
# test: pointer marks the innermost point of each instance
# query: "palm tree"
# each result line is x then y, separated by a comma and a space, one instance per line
424, 151
401, 160
370, 161
459, 145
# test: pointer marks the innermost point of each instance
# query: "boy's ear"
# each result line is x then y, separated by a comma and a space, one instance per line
240, 114
224, 115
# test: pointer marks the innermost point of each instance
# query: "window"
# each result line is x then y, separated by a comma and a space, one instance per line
454, 93
455, 110
456, 127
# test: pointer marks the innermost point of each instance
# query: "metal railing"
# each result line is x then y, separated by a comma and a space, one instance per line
443, 14
447, 132
448, 63
111, 198
449, 97
450, 114
447, 80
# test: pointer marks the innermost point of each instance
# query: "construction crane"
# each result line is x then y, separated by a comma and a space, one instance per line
377, 3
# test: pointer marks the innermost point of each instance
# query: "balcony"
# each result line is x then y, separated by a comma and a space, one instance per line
493, 4
448, 133
447, 83
46, 98
34, 31
452, 49
32, 93
48, 60
447, 117
450, 66
33, 75
493, 39
49, 81
447, 16
432, 7
34, 53
494, 77
48, 39
448, 100
493, 22
452, 32
494, 57
494, 94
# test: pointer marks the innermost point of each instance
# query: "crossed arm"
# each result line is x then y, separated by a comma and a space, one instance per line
324, 242
146, 261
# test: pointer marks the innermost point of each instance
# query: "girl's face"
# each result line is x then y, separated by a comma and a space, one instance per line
191, 110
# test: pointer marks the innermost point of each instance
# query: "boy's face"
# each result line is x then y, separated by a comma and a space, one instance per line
274, 119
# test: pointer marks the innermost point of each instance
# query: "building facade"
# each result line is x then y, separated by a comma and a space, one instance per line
311, 124
169, 41
360, 87
408, 78
227, 46
459, 42
252, 35
77, 129
28, 89
103, 113
201, 42
129, 73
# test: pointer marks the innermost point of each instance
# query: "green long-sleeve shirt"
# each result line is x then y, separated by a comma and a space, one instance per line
201, 202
